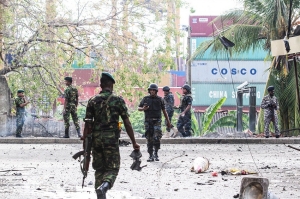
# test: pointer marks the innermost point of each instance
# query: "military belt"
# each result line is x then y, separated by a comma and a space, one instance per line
152, 119
108, 126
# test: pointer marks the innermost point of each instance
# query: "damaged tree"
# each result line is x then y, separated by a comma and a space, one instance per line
39, 43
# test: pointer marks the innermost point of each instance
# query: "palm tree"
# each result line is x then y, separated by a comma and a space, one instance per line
253, 27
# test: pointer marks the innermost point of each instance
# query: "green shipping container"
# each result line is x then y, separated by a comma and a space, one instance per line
250, 55
205, 94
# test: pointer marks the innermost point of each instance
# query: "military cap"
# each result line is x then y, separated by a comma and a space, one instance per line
271, 88
21, 91
108, 75
69, 79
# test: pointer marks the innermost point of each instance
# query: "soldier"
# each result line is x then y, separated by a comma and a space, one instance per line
152, 105
270, 104
101, 120
70, 107
169, 102
184, 120
20, 102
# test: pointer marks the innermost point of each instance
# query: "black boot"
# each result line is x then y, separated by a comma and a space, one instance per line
151, 158
66, 133
78, 133
156, 156
101, 191
150, 151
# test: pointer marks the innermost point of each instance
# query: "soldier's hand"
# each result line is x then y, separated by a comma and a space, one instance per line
136, 146
145, 108
182, 114
169, 125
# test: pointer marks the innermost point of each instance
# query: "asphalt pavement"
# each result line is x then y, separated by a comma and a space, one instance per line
47, 170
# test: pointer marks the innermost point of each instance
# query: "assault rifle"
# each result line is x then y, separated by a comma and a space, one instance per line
86, 153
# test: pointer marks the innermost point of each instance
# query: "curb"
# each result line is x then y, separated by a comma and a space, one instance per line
13, 140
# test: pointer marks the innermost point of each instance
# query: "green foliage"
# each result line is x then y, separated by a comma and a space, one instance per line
229, 121
209, 114
195, 124
137, 121
131, 48
192, 10
81, 112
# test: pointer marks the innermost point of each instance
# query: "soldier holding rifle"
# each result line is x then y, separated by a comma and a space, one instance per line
101, 128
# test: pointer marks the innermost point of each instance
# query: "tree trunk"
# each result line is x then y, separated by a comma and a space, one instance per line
4, 90
5, 106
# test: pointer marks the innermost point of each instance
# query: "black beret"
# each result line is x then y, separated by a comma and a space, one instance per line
21, 91
271, 88
108, 75
68, 79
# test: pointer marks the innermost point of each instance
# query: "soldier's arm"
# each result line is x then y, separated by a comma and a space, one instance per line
20, 103
130, 133
66, 100
165, 113
277, 104
88, 119
172, 100
189, 105
264, 104
24, 104
77, 97
142, 106
129, 130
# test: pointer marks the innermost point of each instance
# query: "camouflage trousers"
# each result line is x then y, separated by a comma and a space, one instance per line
153, 134
106, 156
170, 115
20, 122
267, 120
184, 125
71, 110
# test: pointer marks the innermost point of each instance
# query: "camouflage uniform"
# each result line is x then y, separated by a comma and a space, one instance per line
71, 95
20, 114
152, 122
270, 113
184, 123
169, 102
105, 134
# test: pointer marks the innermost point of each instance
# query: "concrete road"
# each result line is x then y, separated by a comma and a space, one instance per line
29, 171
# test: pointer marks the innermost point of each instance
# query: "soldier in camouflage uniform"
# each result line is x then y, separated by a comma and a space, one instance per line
20, 102
184, 121
169, 102
102, 117
270, 105
152, 105
70, 107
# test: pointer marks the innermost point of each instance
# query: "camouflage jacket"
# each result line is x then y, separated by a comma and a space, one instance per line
18, 102
185, 100
169, 101
71, 95
104, 111
267, 103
